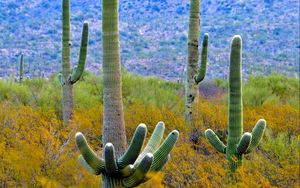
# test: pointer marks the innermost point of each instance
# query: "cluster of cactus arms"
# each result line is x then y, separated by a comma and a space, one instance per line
21, 68
238, 143
120, 167
133, 167
194, 76
67, 78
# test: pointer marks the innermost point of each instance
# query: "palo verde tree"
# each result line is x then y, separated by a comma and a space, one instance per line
121, 168
238, 143
67, 78
194, 77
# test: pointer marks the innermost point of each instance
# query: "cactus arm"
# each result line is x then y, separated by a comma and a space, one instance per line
244, 143
21, 68
257, 134
215, 141
110, 159
153, 142
61, 79
134, 148
140, 173
89, 155
161, 164
204, 59
127, 171
86, 166
163, 151
82, 55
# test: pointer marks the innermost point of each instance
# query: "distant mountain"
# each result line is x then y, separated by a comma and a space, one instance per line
153, 35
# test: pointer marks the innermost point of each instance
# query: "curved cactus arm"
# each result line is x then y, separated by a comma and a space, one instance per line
91, 158
153, 142
161, 164
134, 148
204, 58
140, 173
61, 79
257, 134
127, 171
110, 159
244, 143
86, 166
82, 55
215, 141
163, 151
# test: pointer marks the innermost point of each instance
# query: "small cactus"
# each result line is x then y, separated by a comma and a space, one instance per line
133, 167
238, 144
21, 68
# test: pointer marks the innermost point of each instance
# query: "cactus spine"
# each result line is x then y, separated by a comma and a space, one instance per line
68, 78
238, 143
21, 68
121, 168
194, 78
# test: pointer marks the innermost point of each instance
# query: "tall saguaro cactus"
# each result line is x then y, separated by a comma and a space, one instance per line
121, 168
68, 78
194, 77
21, 68
238, 143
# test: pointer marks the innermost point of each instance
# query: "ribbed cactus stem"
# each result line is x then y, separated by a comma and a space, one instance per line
135, 146
204, 58
163, 151
113, 118
215, 141
244, 143
193, 57
140, 173
82, 55
257, 134
153, 142
21, 68
235, 120
91, 158
68, 78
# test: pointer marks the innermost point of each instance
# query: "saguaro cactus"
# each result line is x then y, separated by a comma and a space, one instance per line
133, 167
121, 168
194, 78
21, 74
67, 78
238, 143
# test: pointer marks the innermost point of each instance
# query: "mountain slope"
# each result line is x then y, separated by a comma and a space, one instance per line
153, 35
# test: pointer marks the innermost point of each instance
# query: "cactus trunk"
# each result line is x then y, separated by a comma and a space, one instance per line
21, 68
235, 120
67, 79
67, 88
113, 122
193, 57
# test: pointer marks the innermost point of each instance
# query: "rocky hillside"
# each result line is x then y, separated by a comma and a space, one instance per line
153, 35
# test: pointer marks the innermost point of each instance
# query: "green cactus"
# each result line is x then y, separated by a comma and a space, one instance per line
194, 77
133, 167
21, 68
68, 78
120, 167
238, 143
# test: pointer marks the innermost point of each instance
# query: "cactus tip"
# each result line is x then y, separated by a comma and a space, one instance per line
149, 155
79, 134
109, 145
